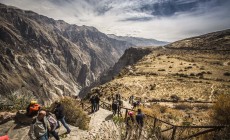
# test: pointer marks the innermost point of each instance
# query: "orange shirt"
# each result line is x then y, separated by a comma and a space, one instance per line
34, 107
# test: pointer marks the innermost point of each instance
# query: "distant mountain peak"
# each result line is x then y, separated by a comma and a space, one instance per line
138, 41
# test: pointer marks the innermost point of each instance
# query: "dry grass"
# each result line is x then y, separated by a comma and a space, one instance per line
74, 114
222, 109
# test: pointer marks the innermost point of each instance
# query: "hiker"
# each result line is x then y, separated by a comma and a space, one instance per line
131, 99
120, 104
53, 125
118, 96
39, 127
59, 113
114, 107
140, 121
97, 102
134, 104
93, 103
129, 125
33, 109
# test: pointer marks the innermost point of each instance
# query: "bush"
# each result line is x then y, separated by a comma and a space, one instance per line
74, 114
183, 106
175, 98
221, 109
161, 70
227, 74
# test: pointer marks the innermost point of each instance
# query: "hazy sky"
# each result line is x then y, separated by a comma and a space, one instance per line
167, 20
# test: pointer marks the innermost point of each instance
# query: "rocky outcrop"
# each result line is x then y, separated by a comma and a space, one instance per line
48, 58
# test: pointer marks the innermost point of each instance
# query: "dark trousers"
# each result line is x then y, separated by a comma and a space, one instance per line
94, 107
55, 134
97, 106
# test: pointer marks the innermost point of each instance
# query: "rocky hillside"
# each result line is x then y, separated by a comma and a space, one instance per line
130, 57
212, 41
48, 58
191, 69
137, 41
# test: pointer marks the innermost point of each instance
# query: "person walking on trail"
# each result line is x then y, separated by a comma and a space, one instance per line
53, 125
120, 104
33, 109
39, 127
97, 101
93, 103
59, 113
134, 104
131, 99
129, 125
118, 96
140, 121
114, 107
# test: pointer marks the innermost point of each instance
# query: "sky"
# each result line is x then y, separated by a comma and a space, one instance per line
167, 20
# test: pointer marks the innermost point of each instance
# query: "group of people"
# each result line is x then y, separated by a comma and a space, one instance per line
45, 123
95, 103
133, 102
131, 124
117, 104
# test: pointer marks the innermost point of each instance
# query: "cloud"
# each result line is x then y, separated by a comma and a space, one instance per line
167, 20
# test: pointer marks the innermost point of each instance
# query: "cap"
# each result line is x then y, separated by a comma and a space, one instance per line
130, 113
33, 102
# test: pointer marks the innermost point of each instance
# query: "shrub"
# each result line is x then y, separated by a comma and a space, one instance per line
161, 70
183, 106
175, 98
227, 74
163, 109
221, 109
74, 114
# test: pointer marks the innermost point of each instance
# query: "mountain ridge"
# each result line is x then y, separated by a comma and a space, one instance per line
138, 41
51, 58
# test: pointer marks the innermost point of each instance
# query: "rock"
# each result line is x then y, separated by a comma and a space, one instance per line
6, 116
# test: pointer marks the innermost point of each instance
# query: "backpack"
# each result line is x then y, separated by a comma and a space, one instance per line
53, 122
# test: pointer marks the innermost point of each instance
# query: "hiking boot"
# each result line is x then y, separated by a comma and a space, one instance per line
68, 132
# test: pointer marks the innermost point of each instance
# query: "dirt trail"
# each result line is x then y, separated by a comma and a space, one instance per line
101, 127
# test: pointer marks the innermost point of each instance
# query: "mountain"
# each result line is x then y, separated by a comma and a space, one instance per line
141, 42
46, 58
184, 77
219, 40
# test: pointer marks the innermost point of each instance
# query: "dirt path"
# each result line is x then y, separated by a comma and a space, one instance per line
101, 127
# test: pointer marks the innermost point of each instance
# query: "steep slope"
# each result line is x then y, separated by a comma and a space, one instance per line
47, 58
198, 71
130, 57
137, 41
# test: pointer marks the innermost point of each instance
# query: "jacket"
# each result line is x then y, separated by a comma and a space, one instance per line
38, 128
59, 112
